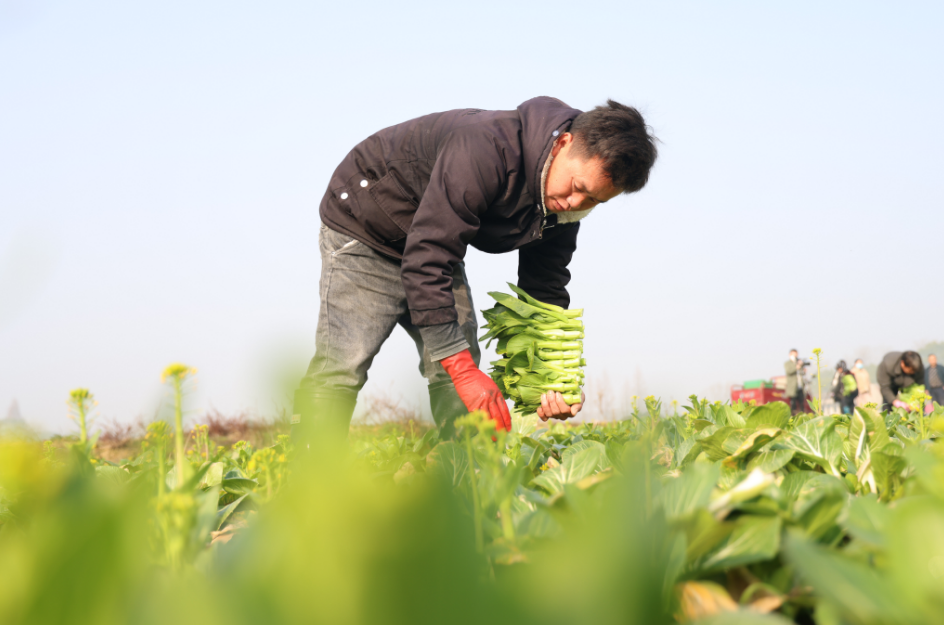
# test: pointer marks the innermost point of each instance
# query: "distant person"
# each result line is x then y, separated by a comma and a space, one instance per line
934, 380
795, 390
898, 370
863, 383
845, 389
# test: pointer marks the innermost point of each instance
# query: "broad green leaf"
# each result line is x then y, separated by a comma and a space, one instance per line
523, 308
879, 437
704, 533
816, 441
818, 502
700, 424
687, 452
604, 461
532, 301
820, 518
751, 444
754, 539
726, 415
867, 520
573, 469
858, 591
770, 460
239, 485
713, 443
683, 495
114, 476
887, 467
205, 520
817, 486
745, 617
744, 490
915, 538
524, 424
213, 476
928, 468
449, 462
223, 514
792, 483
775, 414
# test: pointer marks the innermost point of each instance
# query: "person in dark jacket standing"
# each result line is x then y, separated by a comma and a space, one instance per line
404, 205
794, 368
898, 370
934, 380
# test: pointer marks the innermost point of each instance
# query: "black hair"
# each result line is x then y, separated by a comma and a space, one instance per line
620, 137
794, 350
912, 360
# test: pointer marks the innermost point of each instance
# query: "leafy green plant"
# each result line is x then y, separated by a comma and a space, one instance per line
541, 348
721, 513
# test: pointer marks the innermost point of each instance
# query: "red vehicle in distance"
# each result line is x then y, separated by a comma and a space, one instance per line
764, 391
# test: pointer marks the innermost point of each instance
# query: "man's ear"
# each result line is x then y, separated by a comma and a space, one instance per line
561, 142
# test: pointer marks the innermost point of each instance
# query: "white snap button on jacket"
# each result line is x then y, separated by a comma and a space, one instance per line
555, 133
344, 196
363, 183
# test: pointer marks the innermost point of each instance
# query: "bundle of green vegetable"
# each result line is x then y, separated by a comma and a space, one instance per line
541, 348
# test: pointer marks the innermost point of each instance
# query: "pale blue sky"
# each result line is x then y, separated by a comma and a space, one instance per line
161, 166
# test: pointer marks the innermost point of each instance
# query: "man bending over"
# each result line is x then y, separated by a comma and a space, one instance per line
404, 205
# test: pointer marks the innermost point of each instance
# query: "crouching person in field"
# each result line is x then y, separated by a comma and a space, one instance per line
898, 370
404, 205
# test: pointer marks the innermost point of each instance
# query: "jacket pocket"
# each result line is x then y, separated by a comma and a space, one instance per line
394, 201
383, 208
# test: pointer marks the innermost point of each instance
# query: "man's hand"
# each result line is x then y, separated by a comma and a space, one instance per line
476, 390
553, 406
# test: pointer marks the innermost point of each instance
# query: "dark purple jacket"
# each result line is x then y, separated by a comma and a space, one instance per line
422, 191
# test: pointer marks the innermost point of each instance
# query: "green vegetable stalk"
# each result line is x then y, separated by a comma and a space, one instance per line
80, 403
177, 374
542, 349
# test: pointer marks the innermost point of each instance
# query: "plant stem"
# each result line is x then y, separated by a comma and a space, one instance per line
179, 431
83, 434
161, 469
508, 528
477, 511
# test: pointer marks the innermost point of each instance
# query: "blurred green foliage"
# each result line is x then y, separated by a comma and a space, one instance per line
724, 514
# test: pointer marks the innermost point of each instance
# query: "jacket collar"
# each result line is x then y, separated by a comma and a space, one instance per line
543, 119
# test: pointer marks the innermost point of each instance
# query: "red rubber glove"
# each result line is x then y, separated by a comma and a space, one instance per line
476, 390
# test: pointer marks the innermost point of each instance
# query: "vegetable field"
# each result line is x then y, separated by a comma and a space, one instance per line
722, 514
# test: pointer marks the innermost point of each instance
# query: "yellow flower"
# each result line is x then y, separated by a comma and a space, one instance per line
177, 370
80, 394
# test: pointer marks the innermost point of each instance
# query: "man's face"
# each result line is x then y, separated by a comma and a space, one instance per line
932, 360
574, 183
793, 355
906, 369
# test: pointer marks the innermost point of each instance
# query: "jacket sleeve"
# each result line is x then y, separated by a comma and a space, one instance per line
468, 175
542, 268
885, 383
790, 368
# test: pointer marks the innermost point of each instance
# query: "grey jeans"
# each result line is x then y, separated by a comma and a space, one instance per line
362, 301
